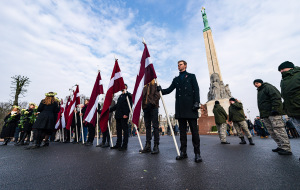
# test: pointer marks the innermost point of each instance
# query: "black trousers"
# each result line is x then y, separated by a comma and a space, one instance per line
91, 129
151, 116
183, 136
105, 137
122, 125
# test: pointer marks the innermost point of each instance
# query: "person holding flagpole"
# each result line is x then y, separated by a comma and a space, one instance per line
89, 126
186, 108
150, 107
122, 115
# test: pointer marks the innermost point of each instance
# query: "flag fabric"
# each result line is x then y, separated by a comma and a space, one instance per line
146, 75
71, 107
116, 84
58, 124
65, 115
90, 115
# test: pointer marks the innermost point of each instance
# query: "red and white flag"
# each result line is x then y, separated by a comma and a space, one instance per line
116, 84
90, 115
145, 76
64, 117
58, 120
71, 108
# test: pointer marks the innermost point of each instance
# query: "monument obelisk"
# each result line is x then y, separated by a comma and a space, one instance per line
217, 90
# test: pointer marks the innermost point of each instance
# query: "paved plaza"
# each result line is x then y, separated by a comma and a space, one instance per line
74, 166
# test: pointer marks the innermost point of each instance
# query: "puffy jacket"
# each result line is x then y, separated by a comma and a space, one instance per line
290, 92
268, 100
220, 114
236, 112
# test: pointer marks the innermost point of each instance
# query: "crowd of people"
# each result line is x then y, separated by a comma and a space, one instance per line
41, 119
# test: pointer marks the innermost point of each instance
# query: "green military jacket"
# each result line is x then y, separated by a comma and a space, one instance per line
236, 112
220, 114
290, 92
268, 100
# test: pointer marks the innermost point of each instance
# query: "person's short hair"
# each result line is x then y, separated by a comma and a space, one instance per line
87, 99
184, 62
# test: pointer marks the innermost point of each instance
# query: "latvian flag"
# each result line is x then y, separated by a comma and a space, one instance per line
145, 76
71, 108
91, 111
116, 84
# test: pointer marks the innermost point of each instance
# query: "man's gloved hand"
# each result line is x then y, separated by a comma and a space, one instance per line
196, 106
274, 113
158, 88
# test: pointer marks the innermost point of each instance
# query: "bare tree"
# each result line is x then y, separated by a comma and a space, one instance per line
18, 86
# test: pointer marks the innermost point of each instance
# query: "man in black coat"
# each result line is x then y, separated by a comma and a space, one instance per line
186, 108
122, 115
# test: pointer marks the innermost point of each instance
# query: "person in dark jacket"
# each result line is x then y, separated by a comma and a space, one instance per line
106, 135
150, 107
260, 128
186, 108
290, 91
90, 127
11, 122
45, 122
122, 115
26, 126
220, 120
271, 111
237, 116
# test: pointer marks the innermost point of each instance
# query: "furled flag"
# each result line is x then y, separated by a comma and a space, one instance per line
64, 117
116, 84
71, 108
145, 76
58, 120
90, 115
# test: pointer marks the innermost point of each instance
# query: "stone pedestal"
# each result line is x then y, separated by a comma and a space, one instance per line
205, 124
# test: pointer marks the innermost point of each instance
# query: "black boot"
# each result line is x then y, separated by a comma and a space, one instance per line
100, 145
198, 158
251, 141
155, 149
5, 142
182, 156
115, 147
242, 140
147, 147
46, 143
106, 145
276, 149
225, 142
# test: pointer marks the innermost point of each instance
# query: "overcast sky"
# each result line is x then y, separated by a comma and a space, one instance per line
60, 43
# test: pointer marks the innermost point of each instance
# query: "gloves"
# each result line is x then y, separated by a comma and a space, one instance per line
274, 113
196, 106
159, 88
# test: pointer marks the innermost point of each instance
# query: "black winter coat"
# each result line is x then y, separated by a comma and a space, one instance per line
47, 115
121, 107
187, 94
10, 126
28, 125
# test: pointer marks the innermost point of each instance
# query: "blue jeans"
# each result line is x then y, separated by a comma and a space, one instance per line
85, 131
16, 135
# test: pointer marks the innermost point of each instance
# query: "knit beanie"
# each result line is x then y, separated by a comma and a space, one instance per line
286, 64
232, 99
217, 102
258, 80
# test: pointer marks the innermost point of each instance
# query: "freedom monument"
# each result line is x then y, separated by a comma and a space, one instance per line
217, 90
